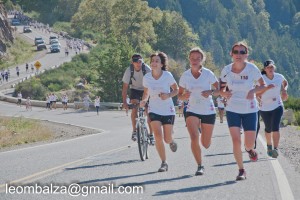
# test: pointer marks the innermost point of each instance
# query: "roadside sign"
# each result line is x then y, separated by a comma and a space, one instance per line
37, 64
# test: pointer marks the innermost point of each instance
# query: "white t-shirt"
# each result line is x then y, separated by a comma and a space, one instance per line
220, 102
155, 87
19, 96
197, 103
241, 84
271, 99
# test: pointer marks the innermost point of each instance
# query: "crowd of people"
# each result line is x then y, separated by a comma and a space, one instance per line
242, 92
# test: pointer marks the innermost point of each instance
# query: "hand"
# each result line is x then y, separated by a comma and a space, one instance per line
125, 105
284, 95
250, 94
270, 86
227, 94
164, 96
143, 104
206, 93
186, 94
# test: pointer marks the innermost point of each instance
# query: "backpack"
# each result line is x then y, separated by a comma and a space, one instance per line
132, 72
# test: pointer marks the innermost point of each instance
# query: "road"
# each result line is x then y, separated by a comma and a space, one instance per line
110, 158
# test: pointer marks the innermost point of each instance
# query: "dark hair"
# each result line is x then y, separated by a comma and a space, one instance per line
263, 72
164, 59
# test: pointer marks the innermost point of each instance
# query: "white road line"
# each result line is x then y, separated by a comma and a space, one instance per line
282, 181
55, 170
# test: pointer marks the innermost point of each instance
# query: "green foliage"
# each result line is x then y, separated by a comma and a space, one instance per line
18, 53
292, 103
32, 88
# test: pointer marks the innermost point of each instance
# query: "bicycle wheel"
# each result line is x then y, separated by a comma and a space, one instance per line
142, 141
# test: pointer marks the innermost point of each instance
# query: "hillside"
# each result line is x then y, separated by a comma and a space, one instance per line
6, 36
271, 29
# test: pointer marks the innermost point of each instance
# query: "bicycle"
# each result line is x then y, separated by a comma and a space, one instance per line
142, 134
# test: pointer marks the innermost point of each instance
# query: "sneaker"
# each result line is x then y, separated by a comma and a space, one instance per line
163, 167
269, 151
173, 146
275, 153
152, 140
252, 155
242, 175
200, 170
134, 136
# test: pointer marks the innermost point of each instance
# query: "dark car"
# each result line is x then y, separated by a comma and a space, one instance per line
54, 48
15, 22
39, 42
27, 29
38, 39
41, 46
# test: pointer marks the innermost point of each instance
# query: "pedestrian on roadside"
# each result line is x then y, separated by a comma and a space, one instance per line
271, 108
97, 104
32, 68
196, 86
26, 66
48, 101
162, 112
243, 80
28, 104
86, 102
65, 100
19, 98
18, 71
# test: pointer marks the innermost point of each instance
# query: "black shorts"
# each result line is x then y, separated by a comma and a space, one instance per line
19, 100
272, 119
136, 94
64, 103
205, 119
168, 119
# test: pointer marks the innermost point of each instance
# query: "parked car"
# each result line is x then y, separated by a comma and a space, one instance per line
27, 29
54, 48
41, 46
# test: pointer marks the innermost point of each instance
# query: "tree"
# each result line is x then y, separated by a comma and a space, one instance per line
132, 19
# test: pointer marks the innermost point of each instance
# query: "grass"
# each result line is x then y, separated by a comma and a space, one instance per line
17, 131
19, 52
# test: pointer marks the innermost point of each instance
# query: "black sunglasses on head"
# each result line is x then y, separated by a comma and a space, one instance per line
242, 52
136, 59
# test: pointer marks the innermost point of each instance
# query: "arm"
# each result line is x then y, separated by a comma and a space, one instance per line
173, 93
145, 97
259, 89
284, 87
223, 92
124, 95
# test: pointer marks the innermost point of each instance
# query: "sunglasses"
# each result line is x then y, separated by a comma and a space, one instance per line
239, 52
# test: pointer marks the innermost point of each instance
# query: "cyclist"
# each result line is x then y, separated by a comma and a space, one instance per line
133, 79
162, 112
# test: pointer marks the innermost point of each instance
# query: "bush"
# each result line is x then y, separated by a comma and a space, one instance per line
297, 117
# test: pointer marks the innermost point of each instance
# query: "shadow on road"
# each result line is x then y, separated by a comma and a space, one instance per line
102, 165
122, 177
218, 154
193, 189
